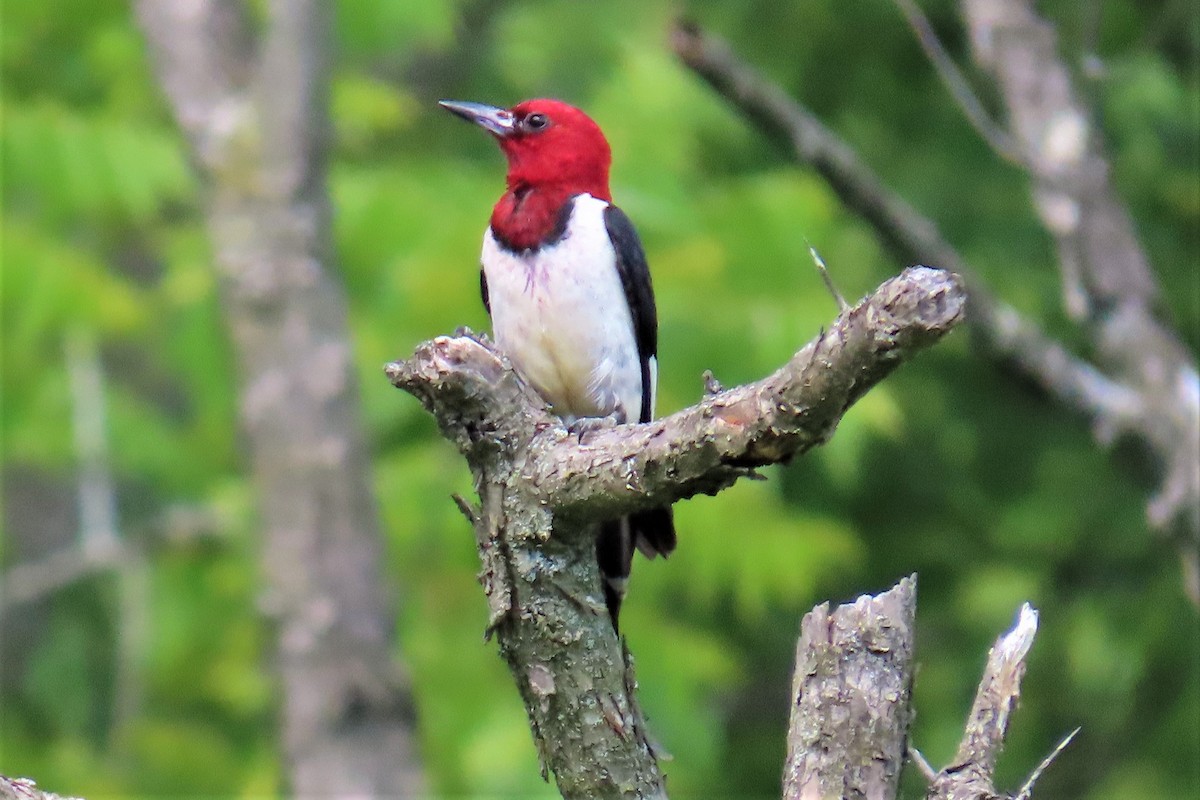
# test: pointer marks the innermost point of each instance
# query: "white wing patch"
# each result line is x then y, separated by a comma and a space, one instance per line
561, 315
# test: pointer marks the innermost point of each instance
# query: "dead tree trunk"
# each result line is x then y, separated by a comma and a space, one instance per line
848, 729
850, 697
848, 733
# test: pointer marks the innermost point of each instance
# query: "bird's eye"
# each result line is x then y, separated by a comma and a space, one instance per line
536, 122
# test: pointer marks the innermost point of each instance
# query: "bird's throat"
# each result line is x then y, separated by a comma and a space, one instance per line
527, 217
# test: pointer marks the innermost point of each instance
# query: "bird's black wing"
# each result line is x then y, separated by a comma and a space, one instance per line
483, 292
652, 531
639, 293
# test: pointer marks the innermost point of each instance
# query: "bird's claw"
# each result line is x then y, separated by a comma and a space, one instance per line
583, 426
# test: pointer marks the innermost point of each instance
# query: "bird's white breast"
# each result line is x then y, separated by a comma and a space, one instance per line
561, 315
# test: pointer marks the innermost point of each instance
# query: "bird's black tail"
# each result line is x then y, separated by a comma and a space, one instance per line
652, 532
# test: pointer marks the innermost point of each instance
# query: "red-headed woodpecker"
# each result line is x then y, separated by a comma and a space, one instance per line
565, 281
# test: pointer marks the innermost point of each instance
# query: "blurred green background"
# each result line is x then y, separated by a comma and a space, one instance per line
156, 682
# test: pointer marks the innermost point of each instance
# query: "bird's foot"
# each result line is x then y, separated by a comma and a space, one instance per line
585, 426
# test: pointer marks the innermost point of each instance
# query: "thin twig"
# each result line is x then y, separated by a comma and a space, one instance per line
821, 268
1027, 789
923, 766
1003, 144
25, 582
468, 510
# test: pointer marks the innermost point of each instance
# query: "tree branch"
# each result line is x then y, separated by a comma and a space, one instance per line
1166, 420
996, 697
785, 121
542, 491
701, 449
706, 447
969, 776
952, 78
1004, 334
30, 580
1107, 280
25, 582
850, 697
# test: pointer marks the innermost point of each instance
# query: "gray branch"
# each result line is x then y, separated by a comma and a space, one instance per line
28, 581
850, 697
31, 580
542, 491
969, 775
1165, 419
1005, 335
253, 105
956, 84
701, 449
1107, 281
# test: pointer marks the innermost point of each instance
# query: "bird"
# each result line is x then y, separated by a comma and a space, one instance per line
565, 281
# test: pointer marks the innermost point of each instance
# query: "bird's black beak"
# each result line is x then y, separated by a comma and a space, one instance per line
497, 121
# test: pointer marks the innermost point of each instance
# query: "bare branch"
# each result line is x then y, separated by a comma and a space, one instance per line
26, 582
781, 118
970, 774
997, 694
830, 286
850, 697
1027, 788
1166, 420
700, 449
1079, 386
923, 766
31, 580
1004, 333
1107, 280
706, 447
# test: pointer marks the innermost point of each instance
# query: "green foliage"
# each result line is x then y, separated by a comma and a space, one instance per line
950, 469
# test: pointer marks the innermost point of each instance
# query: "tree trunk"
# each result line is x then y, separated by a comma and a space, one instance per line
255, 113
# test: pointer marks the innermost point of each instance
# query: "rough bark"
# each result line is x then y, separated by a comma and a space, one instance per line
850, 698
542, 490
253, 108
1145, 386
1108, 284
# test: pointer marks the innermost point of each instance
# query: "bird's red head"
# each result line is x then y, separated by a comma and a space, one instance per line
548, 143
554, 151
